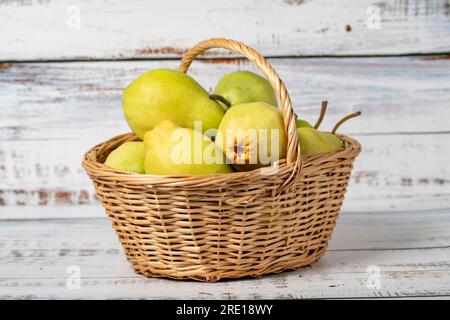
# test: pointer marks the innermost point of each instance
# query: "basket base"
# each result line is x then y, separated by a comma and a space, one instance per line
207, 274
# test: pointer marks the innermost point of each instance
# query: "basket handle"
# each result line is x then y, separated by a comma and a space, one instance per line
293, 147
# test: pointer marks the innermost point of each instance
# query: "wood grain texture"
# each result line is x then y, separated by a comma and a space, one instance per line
53, 112
112, 29
412, 250
396, 95
51, 174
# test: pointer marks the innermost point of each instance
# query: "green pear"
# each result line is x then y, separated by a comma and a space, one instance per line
175, 150
129, 156
303, 123
252, 135
244, 87
166, 94
332, 140
313, 141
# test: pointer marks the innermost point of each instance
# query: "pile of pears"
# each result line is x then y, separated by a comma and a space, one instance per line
182, 129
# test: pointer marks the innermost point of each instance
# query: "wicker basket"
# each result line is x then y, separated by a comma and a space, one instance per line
216, 226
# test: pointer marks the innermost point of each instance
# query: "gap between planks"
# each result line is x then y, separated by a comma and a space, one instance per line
444, 55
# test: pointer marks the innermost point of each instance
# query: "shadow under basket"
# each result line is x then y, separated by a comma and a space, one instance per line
212, 227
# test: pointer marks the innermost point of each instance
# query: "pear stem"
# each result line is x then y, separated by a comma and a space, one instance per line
351, 115
220, 98
323, 110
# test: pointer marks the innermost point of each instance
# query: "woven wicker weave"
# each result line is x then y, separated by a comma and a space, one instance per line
211, 227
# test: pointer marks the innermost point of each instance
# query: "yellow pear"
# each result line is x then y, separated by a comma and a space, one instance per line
313, 141
302, 123
332, 140
129, 156
165, 94
175, 150
252, 135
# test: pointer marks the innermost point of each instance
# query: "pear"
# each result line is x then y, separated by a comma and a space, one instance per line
313, 141
165, 94
129, 156
244, 87
252, 135
175, 150
332, 140
303, 123
300, 123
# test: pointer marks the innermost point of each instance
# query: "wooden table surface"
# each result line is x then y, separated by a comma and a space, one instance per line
410, 249
63, 66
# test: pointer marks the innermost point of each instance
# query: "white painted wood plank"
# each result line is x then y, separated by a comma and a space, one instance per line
52, 113
57, 100
116, 29
398, 172
316, 282
400, 167
35, 256
392, 230
51, 212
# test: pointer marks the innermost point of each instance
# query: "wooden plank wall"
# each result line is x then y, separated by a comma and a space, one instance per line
62, 74
111, 29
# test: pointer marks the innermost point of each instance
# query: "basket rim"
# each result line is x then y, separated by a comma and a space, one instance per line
93, 165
